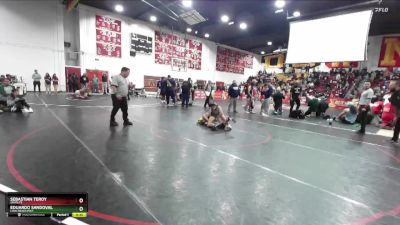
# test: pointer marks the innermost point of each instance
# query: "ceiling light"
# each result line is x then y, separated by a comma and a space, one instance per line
262, 52
225, 18
187, 3
243, 26
206, 35
280, 4
196, 32
269, 43
119, 8
279, 11
189, 29
231, 23
296, 13
153, 18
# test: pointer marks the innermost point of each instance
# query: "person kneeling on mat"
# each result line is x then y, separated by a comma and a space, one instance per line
317, 105
82, 93
215, 118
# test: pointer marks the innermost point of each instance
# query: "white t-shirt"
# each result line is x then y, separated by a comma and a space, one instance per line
122, 85
366, 97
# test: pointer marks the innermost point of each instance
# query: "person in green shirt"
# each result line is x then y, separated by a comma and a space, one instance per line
95, 83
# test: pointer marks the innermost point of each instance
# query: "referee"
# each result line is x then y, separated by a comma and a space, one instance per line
119, 87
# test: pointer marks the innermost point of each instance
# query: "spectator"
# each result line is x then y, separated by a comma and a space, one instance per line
233, 93
36, 80
170, 91
95, 83
278, 99
177, 90
55, 83
70, 83
158, 88
295, 92
75, 82
9, 99
47, 82
267, 93
395, 100
163, 89
191, 90
365, 100
208, 90
186, 87
84, 80
104, 83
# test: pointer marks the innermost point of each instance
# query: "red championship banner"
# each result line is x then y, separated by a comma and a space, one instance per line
108, 36
342, 64
170, 48
390, 52
108, 49
232, 61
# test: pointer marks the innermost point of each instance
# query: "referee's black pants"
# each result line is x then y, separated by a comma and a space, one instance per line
119, 104
363, 111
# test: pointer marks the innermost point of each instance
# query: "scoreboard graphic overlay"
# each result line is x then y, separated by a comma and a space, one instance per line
46, 204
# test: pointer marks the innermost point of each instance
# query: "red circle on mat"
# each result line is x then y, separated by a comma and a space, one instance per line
16, 174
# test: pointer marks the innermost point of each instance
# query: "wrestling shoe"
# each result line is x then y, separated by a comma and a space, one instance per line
113, 124
128, 123
392, 141
360, 132
264, 115
13, 109
25, 110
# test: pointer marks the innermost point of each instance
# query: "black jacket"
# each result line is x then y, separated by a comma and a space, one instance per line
395, 99
233, 91
186, 87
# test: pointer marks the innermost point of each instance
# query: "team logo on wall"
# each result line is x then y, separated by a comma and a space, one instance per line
390, 52
108, 36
